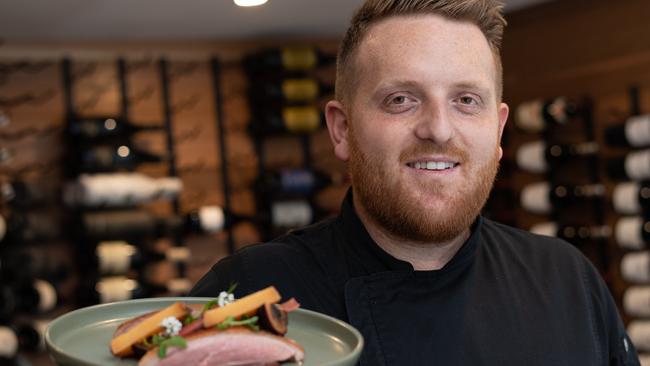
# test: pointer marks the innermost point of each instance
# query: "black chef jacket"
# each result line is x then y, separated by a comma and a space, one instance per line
507, 297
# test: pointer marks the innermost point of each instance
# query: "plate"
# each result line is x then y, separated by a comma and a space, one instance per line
82, 337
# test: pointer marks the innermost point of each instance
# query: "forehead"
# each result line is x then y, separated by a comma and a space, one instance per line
414, 46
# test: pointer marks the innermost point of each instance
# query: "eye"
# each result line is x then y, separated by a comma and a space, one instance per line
399, 102
468, 100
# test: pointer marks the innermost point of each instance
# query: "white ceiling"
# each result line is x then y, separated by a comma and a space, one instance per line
149, 20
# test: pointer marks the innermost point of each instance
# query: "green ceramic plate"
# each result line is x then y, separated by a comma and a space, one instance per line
81, 337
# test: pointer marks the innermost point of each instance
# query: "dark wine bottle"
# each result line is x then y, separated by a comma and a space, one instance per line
138, 224
120, 257
631, 198
634, 133
543, 197
23, 195
575, 234
635, 267
634, 166
109, 158
536, 156
536, 115
21, 263
37, 296
286, 59
295, 181
20, 228
104, 128
287, 91
303, 119
119, 189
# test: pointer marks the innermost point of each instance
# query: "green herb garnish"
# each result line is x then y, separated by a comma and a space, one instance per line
175, 341
245, 321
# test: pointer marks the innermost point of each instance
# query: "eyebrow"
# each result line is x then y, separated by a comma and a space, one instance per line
473, 86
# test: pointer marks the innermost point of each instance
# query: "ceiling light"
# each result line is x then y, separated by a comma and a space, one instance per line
250, 2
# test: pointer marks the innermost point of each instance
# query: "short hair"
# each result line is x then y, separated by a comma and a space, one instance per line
486, 14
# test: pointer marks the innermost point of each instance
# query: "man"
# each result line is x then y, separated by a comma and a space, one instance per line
409, 261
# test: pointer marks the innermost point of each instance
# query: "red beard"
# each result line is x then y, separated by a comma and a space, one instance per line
390, 205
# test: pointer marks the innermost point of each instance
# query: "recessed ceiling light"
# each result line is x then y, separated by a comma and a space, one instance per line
250, 2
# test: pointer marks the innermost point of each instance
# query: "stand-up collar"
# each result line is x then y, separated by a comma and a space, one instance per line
365, 257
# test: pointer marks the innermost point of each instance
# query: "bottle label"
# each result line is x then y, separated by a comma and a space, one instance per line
637, 165
212, 219
637, 131
301, 119
89, 128
299, 58
300, 90
529, 116
8, 342
47, 295
179, 286
298, 180
625, 198
115, 289
636, 301
545, 228
531, 157
178, 254
291, 214
558, 110
535, 198
114, 257
3, 228
635, 267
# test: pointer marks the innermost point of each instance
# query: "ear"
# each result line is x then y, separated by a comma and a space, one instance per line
337, 124
503, 117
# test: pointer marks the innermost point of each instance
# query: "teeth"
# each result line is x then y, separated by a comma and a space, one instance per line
432, 165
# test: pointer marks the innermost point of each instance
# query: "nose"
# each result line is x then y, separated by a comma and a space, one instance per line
434, 125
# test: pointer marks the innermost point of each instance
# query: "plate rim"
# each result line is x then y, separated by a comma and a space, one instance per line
52, 347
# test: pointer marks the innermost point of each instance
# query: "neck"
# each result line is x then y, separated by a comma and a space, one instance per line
422, 256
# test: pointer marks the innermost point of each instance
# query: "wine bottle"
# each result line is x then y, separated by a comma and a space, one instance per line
20, 263
634, 166
119, 189
138, 224
639, 333
293, 90
292, 213
536, 156
635, 267
30, 227
119, 257
286, 59
120, 288
109, 158
632, 232
304, 119
634, 133
631, 197
100, 128
23, 195
636, 301
542, 197
572, 233
536, 115
295, 181
8, 346
37, 296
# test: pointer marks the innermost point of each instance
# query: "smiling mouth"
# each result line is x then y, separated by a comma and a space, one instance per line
432, 165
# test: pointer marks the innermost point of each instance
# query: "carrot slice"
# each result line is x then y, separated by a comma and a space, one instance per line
247, 305
122, 344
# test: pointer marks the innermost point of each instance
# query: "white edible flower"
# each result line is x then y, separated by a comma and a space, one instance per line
172, 326
225, 298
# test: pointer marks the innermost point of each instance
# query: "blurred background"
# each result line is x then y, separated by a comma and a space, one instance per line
140, 142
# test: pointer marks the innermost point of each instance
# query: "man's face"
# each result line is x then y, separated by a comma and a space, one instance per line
424, 126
